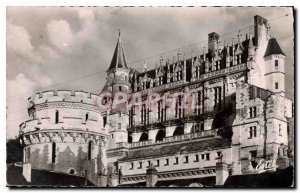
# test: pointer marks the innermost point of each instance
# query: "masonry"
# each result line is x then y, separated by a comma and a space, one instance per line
236, 114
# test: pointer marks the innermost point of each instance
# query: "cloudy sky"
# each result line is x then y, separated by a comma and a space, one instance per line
65, 47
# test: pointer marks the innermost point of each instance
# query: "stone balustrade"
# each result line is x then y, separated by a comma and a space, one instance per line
189, 136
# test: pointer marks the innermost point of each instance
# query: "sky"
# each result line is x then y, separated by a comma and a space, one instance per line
70, 48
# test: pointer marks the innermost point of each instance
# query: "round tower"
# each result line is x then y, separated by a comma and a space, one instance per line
64, 134
118, 85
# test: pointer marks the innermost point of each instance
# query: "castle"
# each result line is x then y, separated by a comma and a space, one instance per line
201, 118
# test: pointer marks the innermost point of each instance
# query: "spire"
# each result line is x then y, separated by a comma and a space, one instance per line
273, 48
118, 59
145, 66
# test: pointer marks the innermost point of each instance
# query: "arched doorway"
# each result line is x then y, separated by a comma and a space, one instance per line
144, 137
178, 131
160, 135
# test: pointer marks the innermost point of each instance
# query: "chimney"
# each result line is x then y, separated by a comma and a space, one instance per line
151, 177
259, 23
221, 173
213, 39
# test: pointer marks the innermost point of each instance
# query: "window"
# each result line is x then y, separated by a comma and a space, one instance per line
186, 159
140, 165
53, 152
196, 158
144, 114
112, 136
219, 154
253, 112
56, 117
157, 162
218, 96
276, 85
167, 162
276, 64
253, 154
131, 166
86, 117
160, 80
176, 161
120, 88
207, 156
280, 130
119, 126
104, 121
90, 150
178, 107
149, 164
252, 132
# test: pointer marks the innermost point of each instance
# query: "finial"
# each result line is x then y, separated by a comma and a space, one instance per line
239, 35
178, 54
145, 66
119, 31
161, 60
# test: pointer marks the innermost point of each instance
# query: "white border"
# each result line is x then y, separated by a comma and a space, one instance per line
5, 3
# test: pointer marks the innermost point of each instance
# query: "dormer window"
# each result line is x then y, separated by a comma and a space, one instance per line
178, 75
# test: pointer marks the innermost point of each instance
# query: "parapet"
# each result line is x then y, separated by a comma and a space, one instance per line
64, 95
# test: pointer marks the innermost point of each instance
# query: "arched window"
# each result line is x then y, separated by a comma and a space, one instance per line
56, 117
72, 171
160, 135
178, 131
90, 150
144, 137
53, 152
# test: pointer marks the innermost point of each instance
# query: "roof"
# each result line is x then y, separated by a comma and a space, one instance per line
118, 59
43, 178
172, 149
273, 48
280, 178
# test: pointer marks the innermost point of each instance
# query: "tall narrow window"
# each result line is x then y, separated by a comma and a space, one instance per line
252, 132
276, 64
119, 126
56, 117
86, 117
280, 130
253, 112
217, 97
90, 150
276, 85
104, 121
53, 152
196, 158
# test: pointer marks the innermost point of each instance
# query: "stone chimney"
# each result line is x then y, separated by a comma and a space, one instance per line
221, 173
213, 39
259, 23
151, 177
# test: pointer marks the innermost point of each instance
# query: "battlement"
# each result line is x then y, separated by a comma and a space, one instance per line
64, 95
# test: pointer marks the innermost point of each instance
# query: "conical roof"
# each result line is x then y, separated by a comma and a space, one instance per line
118, 59
273, 48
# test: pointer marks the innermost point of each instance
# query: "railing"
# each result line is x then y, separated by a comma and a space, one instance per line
190, 136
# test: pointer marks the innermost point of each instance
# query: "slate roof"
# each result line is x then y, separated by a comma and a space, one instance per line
172, 149
118, 59
273, 48
43, 178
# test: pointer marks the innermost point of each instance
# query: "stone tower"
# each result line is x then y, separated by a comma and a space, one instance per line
274, 67
118, 87
64, 134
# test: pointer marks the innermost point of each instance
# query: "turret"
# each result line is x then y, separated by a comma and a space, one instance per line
119, 86
274, 67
